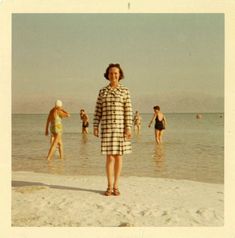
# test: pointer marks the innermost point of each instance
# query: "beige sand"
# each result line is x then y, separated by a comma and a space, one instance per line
52, 200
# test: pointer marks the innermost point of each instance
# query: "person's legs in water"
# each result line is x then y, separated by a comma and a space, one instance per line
53, 146
60, 147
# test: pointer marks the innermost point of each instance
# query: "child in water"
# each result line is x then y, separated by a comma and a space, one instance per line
55, 121
137, 122
85, 121
160, 123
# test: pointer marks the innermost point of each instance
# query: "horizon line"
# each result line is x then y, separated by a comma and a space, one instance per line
15, 113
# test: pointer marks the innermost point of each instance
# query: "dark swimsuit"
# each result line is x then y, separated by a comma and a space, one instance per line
85, 124
159, 124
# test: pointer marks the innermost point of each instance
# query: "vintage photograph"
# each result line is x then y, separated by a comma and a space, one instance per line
117, 119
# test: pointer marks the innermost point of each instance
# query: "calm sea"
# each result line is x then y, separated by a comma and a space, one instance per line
193, 149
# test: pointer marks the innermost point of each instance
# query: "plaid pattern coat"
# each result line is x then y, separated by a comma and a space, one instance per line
114, 112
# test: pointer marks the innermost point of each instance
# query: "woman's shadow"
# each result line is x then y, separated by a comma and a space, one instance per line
24, 184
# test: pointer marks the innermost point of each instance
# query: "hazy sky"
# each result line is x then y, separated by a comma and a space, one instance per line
172, 60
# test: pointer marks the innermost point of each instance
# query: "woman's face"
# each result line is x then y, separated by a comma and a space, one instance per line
114, 75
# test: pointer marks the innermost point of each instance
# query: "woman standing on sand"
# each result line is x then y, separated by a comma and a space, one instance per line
160, 123
55, 121
114, 111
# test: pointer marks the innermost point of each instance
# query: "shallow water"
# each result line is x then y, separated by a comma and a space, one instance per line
192, 149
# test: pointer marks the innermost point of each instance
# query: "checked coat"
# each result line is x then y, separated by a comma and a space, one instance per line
114, 112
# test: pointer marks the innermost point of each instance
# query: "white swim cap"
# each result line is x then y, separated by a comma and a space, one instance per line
58, 103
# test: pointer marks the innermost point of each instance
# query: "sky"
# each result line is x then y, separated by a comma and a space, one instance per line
172, 60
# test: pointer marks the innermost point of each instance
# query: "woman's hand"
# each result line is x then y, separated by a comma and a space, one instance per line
127, 134
96, 132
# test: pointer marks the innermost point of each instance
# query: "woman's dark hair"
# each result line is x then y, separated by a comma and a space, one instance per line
106, 74
156, 108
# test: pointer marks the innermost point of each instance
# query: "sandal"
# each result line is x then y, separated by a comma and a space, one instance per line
108, 192
116, 192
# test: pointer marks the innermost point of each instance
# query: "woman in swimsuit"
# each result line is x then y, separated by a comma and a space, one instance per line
160, 123
55, 121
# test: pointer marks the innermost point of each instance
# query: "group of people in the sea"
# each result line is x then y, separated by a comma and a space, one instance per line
112, 122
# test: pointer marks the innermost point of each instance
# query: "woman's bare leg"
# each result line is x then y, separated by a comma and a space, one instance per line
52, 139
156, 136
53, 147
160, 136
61, 147
117, 169
138, 129
109, 169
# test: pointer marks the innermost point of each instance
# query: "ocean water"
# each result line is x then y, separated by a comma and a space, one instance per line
192, 149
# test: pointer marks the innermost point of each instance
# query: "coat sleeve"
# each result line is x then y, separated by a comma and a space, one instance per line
98, 112
128, 111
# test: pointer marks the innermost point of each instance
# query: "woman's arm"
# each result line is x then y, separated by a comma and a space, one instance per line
150, 123
97, 115
164, 121
47, 123
128, 115
63, 113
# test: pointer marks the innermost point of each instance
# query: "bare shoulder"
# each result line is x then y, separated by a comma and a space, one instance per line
52, 111
160, 115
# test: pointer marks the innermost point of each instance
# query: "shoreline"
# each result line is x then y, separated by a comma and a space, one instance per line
62, 200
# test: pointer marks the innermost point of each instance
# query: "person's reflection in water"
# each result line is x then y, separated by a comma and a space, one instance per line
55, 167
159, 156
137, 138
84, 139
83, 146
83, 152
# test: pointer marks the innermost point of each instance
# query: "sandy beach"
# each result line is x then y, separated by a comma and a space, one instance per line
56, 200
